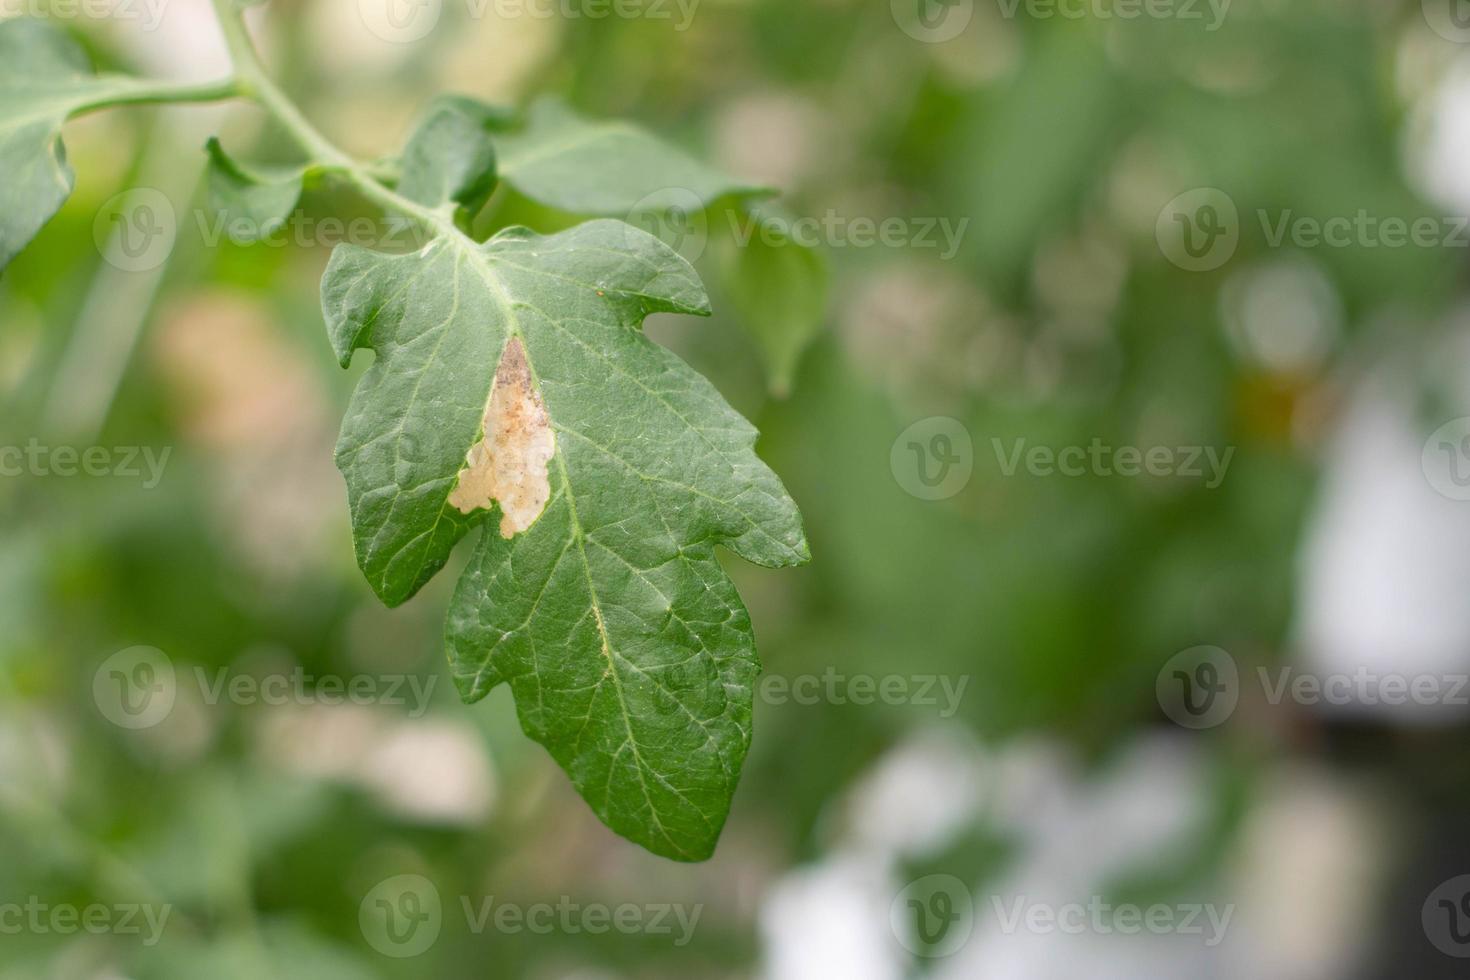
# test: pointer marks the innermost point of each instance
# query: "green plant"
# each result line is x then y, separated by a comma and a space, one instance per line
512, 391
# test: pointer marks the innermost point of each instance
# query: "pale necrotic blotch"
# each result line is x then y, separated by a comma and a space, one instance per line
509, 462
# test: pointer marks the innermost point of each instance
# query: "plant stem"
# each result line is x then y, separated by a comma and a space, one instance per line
253, 81
140, 91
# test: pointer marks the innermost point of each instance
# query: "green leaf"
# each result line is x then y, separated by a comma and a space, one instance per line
778, 289
450, 156
45, 78
606, 168
254, 203
614, 470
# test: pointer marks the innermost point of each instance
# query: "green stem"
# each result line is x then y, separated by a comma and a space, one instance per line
254, 82
141, 91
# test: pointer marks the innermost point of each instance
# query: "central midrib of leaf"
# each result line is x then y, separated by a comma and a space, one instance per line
469, 250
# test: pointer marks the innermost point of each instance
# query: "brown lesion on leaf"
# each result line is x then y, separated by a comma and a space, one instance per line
509, 462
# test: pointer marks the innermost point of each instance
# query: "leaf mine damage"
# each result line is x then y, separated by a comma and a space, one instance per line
508, 464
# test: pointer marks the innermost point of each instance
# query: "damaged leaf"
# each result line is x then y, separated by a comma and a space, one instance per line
508, 465
603, 479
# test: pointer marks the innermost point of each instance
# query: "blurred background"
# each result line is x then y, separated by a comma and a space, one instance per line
1134, 456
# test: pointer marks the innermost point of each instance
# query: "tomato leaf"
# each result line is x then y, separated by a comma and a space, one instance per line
514, 391
778, 290
450, 158
253, 202
607, 168
45, 79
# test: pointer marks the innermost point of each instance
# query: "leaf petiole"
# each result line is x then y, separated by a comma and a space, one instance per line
146, 91
253, 82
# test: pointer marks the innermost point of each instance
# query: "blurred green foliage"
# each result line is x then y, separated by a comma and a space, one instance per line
1059, 321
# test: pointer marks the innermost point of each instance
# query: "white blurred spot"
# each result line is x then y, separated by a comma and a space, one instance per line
1282, 315
428, 770
1385, 557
